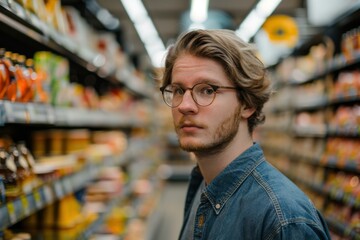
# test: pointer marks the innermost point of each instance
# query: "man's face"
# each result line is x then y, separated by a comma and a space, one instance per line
210, 128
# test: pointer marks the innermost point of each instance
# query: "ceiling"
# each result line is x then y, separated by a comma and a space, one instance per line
166, 15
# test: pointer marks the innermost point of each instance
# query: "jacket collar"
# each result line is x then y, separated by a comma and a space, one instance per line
230, 179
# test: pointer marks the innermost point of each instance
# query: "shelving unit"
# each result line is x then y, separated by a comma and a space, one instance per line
306, 137
24, 32
25, 205
18, 23
32, 113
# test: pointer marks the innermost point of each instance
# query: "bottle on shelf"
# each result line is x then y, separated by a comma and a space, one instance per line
24, 151
8, 173
24, 83
12, 92
4, 74
36, 79
22, 169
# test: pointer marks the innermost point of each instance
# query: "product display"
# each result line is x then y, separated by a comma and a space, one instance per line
313, 123
72, 164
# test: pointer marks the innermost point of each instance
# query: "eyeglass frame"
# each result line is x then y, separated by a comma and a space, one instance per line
214, 87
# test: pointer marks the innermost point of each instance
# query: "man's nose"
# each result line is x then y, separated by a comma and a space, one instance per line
187, 103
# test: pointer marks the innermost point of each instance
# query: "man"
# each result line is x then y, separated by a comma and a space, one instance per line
216, 88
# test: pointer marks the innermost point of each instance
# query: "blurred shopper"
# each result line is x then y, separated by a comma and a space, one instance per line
216, 87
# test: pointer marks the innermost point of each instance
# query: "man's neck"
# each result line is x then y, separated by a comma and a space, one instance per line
212, 164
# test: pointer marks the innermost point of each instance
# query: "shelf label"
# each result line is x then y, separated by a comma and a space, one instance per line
60, 116
34, 20
4, 219
38, 113
18, 9
58, 188
16, 112
4, 4
68, 188
76, 181
11, 211
25, 205
38, 200
2, 113
48, 195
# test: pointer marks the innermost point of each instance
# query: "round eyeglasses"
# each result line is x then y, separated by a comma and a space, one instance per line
202, 93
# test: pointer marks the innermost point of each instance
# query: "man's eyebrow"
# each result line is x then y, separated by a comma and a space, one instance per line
200, 80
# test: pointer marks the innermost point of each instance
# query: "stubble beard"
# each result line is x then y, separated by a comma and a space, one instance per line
223, 136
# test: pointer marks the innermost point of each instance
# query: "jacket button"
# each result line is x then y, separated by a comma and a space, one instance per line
201, 220
217, 206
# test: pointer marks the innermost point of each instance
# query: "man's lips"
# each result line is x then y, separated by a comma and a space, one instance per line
189, 126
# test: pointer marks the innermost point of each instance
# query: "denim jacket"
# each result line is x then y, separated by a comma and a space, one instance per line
251, 200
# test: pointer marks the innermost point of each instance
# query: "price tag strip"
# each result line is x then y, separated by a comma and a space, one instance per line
67, 185
11, 212
25, 205
4, 4
59, 190
18, 9
16, 112
15, 210
48, 194
38, 198
39, 113
4, 217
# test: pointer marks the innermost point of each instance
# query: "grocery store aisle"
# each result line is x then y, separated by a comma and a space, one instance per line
169, 212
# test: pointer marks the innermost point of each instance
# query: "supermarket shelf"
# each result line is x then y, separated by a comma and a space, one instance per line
338, 63
310, 106
316, 131
348, 132
339, 195
318, 104
328, 162
94, 226
26, 25
307, 148
309, 131
342, 228
312, 160
344, 165
333, 192
33, 113
345, 100
25, 205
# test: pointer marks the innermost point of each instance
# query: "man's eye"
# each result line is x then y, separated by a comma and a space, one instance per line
207, 91
178, 91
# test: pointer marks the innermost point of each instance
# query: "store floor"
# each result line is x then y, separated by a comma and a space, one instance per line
169, 212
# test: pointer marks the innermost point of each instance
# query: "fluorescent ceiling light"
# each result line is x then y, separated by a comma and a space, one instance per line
250, 25
146, 30
199, 11
135, 9
267, 7
255, 19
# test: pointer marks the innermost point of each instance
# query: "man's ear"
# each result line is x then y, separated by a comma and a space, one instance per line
246, 112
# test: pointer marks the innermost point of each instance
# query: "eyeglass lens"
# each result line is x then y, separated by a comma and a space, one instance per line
203, 94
